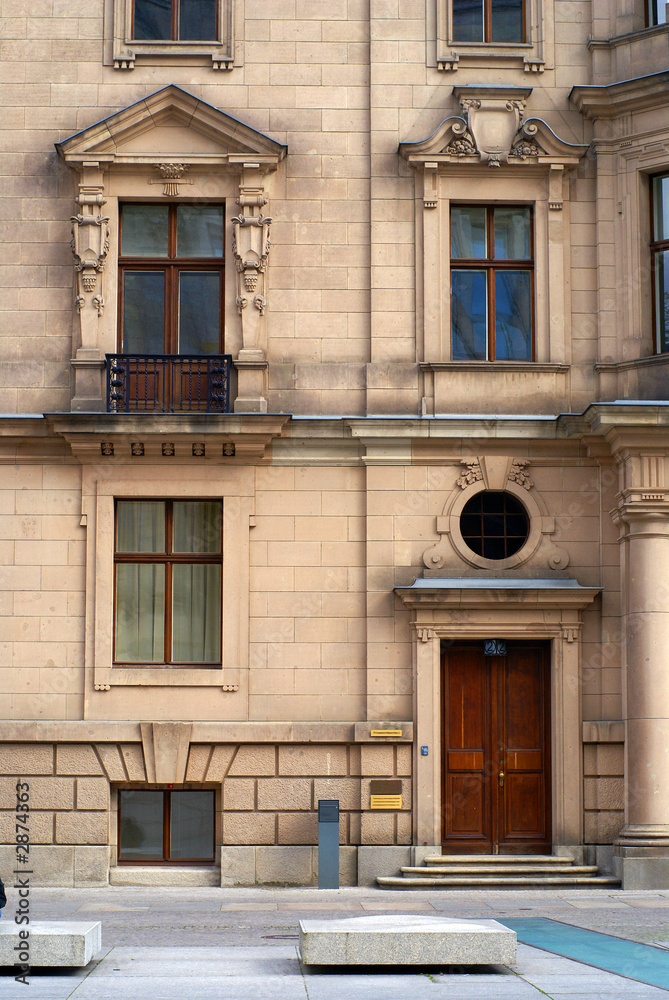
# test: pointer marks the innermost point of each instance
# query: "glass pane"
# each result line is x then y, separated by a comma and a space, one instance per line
513, 316
140, 613
197, 20
658, 12
468, 20
192, 825
199, 312
662, 299
144, 230
196, 613
512, 233
199, 230
661, 208
506, 21
143, 312
468, 234
197, 526
141, 822
469, 315
140, 526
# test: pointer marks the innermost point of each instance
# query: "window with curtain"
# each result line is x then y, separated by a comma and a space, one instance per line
171, 279
176, 20
659, 251
176, 826
496, 21
492, 279
168, 559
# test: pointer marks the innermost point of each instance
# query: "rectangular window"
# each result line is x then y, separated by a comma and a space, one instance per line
496, 21
171, 279
492, 269
657, 12
659, 251
175, 20
168, 558
157, 826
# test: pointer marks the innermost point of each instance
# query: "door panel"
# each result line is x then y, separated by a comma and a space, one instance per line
496, 750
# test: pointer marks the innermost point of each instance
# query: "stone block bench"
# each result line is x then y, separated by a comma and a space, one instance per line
51, 942
398, 939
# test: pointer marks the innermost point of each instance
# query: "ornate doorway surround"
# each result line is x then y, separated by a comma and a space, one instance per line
468, 609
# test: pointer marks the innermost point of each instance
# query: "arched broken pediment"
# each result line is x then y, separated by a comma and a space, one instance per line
492, 130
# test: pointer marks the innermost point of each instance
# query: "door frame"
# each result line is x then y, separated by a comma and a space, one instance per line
477, 609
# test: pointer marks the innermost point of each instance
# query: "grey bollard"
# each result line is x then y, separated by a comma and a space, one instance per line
328, 843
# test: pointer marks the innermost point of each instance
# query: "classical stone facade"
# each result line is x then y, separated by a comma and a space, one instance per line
438, 285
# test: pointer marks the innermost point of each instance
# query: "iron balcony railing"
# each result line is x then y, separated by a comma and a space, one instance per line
168, 383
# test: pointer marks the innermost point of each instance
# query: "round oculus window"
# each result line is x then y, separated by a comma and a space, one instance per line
494, 524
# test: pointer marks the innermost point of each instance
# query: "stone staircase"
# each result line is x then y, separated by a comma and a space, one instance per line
495, 871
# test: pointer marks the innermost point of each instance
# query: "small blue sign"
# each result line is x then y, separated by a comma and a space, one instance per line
424, 751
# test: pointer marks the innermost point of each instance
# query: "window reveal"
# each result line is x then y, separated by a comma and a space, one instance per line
171, 279
496, 21
175, 20
168, 558
166, 825
659, 250
491, 283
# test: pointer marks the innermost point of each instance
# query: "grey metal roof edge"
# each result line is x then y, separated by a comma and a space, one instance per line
494, 583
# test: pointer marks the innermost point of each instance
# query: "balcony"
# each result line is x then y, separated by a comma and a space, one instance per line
168, 383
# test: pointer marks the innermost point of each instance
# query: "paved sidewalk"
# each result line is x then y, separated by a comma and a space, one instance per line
240, 944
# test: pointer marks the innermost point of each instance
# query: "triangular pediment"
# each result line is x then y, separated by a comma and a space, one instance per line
171, 122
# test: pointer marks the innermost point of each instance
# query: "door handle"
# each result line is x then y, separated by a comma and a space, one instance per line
500, 778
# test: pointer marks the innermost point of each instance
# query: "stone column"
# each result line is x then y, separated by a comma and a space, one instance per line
642, 849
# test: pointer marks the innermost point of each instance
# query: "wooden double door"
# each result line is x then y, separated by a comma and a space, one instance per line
496, 750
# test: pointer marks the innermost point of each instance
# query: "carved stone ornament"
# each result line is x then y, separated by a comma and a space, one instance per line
517, 474
250, 248
472, 475
171, 177
90, 246
493, 122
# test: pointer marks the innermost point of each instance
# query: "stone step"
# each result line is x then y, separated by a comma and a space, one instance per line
534, 870
499, 881
496, 859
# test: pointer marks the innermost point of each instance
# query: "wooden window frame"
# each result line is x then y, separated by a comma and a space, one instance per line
487, 27
656, 246
491, 265
171, 265
167, 558
166, 859
174, 37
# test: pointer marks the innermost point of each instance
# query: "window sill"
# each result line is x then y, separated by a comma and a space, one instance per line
531, 367
167, 51
165, 676
475, 51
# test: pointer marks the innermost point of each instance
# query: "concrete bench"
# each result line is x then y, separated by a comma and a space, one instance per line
399, 939
51, 942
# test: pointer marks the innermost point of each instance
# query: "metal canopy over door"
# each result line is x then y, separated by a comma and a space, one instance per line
496, 746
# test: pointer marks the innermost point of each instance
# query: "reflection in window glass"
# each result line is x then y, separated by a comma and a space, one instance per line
199, 230
513, 316
199, 312
468, 20
144, 230
657, 12
512, 233
469, 315
506, 21
468, 232
191, 825
662, 299
140, 825
143, 312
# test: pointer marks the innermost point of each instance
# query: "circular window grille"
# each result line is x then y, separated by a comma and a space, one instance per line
494, 524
